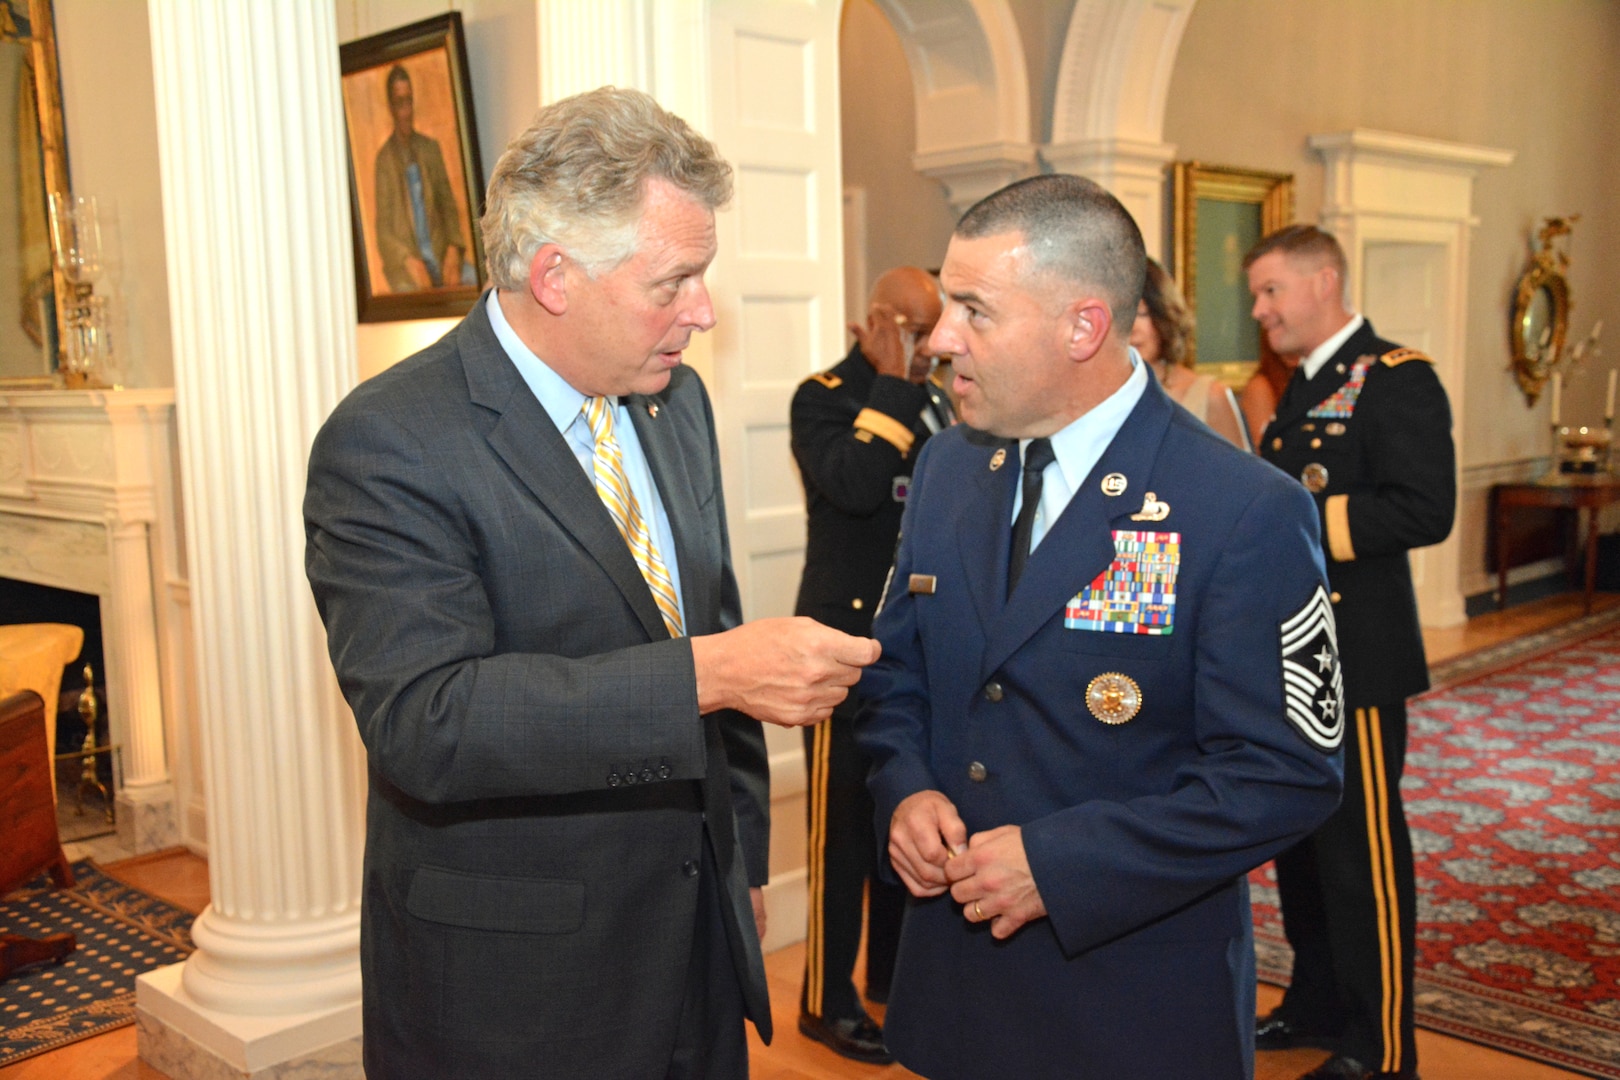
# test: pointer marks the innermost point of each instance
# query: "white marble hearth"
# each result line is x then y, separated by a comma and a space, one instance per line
87, 503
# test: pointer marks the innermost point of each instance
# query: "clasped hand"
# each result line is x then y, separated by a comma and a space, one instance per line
987, 873
789, 672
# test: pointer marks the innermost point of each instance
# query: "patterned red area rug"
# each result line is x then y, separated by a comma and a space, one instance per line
1512, 792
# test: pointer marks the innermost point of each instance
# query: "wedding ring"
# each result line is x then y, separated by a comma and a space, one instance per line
978, 912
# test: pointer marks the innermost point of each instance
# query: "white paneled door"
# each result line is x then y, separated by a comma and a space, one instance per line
778, 291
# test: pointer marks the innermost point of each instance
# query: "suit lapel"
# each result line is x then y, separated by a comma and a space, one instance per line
1080, 544
983, 535
523, 436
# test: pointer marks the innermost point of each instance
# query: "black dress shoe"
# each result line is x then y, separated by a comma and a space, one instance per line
1275, 1032
858, 1040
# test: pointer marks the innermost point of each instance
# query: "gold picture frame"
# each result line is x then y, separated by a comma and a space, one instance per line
1220, 213
36, 298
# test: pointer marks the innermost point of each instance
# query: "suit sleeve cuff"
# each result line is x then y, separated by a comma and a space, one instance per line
1336, 513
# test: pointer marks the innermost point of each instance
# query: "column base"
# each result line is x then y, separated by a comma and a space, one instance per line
187, 1041
146, 818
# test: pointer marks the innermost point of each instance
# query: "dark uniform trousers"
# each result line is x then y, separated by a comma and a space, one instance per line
1370, 437
855, 435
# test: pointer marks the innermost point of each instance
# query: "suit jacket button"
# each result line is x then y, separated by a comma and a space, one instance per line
689, 868
629, 776
857, 603
663, 772
977, 772
613, 779
993, 691
1334, 598
646, 776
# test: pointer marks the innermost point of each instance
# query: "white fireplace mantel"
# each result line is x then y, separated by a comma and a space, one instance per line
87, 503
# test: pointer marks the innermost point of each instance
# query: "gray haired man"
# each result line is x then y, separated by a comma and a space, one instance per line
517, 541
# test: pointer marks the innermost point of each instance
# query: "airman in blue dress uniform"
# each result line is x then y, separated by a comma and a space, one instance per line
1109, 684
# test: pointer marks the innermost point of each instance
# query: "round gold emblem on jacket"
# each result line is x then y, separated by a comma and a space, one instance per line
1113, 698
1314, 477
1114, 484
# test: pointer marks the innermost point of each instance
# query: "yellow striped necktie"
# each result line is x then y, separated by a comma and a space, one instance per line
607, 460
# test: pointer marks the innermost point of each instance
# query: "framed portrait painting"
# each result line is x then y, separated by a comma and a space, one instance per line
416, 186
1220, 213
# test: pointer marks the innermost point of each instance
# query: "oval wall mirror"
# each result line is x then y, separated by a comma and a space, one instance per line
1541, 305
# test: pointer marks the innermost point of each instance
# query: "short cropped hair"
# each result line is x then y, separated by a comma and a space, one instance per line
1167, 309
577, 176
1303, 242
1075, 230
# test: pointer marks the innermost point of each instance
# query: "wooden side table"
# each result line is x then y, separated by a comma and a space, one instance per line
1559, 491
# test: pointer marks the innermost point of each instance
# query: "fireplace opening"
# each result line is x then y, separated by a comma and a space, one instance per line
85, 784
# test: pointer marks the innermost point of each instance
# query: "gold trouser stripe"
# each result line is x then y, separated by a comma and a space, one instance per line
886, 428
1337, 512
1382, 851
815, 946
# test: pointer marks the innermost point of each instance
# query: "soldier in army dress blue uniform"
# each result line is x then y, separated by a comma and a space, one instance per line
857, 430
1365, 426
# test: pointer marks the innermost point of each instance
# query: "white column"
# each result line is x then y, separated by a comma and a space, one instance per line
251, 141
146, 813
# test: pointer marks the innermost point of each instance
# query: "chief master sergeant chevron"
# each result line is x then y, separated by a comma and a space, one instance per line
1365, 426
1109, 684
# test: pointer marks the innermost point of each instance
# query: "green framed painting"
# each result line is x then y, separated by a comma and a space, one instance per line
1220, 213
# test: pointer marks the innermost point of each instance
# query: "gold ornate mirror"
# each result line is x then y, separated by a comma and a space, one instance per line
1541, 306
33, 164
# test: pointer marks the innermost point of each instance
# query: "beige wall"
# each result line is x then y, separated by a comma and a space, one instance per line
908, 219
1255, 77
110, 115
502, 46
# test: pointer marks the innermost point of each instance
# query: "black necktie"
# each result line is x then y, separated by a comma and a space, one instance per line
1037, 456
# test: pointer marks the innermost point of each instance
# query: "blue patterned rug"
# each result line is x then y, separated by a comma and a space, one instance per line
121, 931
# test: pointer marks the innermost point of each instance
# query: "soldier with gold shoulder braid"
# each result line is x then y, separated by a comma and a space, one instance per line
1365, 426
857, 429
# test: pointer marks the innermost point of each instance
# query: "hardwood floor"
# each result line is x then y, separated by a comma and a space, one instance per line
182, 878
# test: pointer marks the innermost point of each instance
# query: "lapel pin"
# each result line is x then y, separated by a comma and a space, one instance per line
1339, 368
652, 409
1114, 484
1152, 509
998, 459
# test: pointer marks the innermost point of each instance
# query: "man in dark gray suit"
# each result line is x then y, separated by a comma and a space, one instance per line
517, 541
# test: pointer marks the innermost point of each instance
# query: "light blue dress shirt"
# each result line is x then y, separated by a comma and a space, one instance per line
1077, 448
565, 406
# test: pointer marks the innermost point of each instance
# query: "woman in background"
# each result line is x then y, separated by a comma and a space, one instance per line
1264, 389
1160, 334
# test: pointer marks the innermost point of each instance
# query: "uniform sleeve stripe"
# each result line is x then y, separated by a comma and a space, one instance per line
886, 428
1337, 512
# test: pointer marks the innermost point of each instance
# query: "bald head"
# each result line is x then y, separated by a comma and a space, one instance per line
906, 303
913, 292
